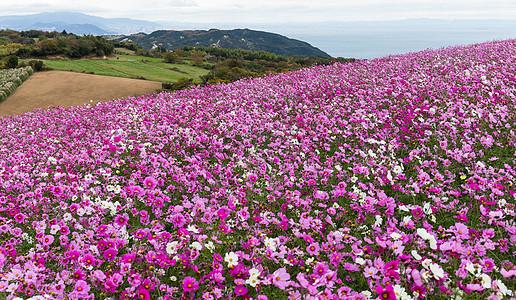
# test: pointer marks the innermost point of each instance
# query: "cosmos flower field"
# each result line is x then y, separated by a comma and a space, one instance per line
392, 178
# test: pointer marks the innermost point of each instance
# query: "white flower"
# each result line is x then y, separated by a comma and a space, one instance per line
231, 258
503, 288
474, 269
423, 233
437, 270
426, 263
415, 255
395, 236
209, 245
173, 278
427, 208
425, 275
172, 247
433, 243
254, 272
253, 281
197, 246
397, 169
378, 221
400, 292
360, 261
486, 281
271, 243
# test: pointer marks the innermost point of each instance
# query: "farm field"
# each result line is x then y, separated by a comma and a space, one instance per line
58, 88
393, 178
130, 66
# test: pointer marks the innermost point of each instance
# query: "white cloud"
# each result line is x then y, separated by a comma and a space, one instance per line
272, 10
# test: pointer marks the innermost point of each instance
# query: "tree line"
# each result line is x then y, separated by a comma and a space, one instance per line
37, 43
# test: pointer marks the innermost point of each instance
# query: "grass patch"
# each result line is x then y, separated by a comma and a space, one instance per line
130, 66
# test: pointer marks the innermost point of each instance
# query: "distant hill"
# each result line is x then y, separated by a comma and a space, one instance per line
231, 39
79, 29
77, 23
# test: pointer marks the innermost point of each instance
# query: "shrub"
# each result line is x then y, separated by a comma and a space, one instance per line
10, 79
12, 62
182, 83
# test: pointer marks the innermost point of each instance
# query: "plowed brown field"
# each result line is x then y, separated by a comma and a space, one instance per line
59, 88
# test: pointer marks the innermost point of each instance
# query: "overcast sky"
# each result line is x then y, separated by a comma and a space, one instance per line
264, 11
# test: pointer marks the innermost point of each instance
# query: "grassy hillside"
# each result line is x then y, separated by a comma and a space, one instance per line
393, 178
130, 66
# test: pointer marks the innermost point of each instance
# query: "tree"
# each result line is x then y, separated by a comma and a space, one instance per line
171, 57
12, 62
49, 46
196, 59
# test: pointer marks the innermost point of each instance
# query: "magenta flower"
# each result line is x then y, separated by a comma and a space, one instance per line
252, 177
121, 220
143, 294
20, 217
89, 259
240, 290
178, 220
387, 293
110, 254
150, 182
190, 284
418, 212
280, 278
320, 269
64, 230
222, 213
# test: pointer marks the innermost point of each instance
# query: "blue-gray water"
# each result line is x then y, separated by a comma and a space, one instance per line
378, 39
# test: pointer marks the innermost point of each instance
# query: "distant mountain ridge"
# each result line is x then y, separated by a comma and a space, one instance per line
83, 24
77, 23
231, 39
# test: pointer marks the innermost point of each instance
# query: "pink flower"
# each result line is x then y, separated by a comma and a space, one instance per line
47, 240
222, 213
387, 293
461, 231
313, 249
150, 182
190, 284
82, 288
418, 212
88, 259
243, 213
143, 294
121, 220
240, 290
252, 177
65, 230
280, 278
178, 220
20, 217
110, 254
320, 269
128, 258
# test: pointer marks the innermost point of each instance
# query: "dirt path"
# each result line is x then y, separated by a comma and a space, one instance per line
59, 88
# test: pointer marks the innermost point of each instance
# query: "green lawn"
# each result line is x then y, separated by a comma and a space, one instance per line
124, 51
130, 66
84, 66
